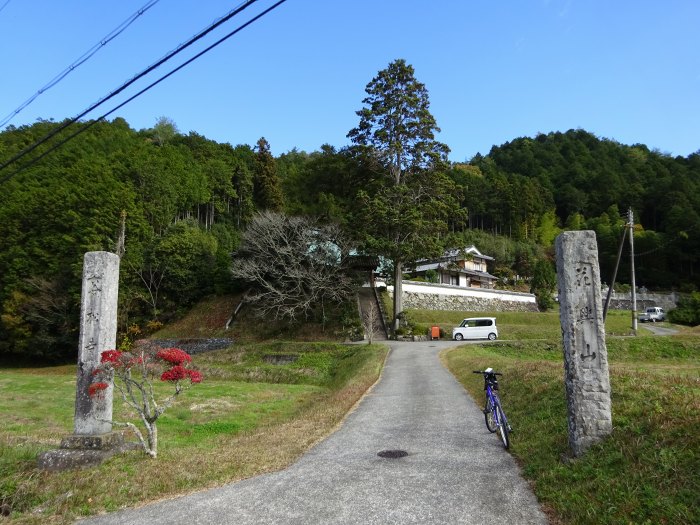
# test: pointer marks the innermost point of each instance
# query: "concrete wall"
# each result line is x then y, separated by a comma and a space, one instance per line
429, 296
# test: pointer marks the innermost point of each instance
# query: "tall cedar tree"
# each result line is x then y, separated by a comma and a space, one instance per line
268, 192
396, 134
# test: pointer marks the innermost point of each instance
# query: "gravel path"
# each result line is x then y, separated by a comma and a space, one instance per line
455, 470
659, 330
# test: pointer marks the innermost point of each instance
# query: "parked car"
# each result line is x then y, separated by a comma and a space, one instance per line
476, 328
652, 314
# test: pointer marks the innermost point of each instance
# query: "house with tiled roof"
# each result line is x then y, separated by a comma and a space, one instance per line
465, 267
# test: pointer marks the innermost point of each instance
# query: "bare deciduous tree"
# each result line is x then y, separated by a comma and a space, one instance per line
47, 304
152, 277
295, 267
370, 320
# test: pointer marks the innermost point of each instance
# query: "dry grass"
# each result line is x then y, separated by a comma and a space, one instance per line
207, 319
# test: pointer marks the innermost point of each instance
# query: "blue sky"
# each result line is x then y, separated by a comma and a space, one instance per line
627, 70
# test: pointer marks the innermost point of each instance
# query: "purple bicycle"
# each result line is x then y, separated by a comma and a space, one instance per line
496, 420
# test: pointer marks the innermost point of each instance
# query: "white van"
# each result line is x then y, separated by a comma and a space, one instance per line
476, 328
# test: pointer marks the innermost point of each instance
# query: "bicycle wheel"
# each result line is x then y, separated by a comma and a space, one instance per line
503, 427
490, 417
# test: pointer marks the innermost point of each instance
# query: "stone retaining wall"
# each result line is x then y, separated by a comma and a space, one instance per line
623, 301
195, 345
429, 296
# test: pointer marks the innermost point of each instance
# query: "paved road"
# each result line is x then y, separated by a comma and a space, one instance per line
455, 471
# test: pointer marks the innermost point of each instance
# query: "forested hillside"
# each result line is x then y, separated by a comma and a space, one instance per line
528, 187
187, 199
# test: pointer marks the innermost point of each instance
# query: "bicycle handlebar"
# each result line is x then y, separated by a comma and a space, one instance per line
484, 372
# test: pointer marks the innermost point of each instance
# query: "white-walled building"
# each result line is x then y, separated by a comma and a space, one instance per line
465, 268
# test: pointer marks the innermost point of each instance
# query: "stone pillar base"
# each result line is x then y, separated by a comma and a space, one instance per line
78, 451
99, 442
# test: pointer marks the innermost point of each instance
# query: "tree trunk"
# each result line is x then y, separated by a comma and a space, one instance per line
152, 440
398, 292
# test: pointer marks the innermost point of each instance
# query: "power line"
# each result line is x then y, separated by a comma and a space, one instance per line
4, 5
150, 68
143, 73
670, 240
81, 60
153, 84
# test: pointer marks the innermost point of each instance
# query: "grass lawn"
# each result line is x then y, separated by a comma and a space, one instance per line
253, 413
646, 472
263, 404
522, 326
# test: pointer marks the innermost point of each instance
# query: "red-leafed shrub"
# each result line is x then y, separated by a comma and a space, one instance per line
174, 356
133, 373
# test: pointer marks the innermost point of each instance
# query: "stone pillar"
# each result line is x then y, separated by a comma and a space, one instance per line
98, 332
585, 355
92, 440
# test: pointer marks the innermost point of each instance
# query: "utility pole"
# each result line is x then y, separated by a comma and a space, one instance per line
614, 277
634, 284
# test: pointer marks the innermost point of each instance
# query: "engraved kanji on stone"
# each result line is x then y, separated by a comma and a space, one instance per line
585, 313
94, 282
90, 345
583, 277
588, 354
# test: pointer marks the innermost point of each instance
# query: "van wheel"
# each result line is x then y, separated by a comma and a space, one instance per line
459, 337
492, 336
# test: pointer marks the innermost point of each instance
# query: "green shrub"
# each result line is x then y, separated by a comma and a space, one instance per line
688, 310
431, 276
544, 300
421, 329
622, 288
